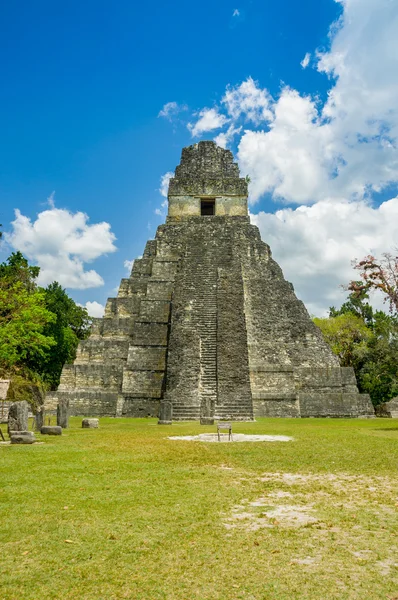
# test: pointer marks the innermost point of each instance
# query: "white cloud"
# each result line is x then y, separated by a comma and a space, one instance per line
225, 138
60, 243
349, 146
306, 60
315, 244
249, 100
95, 309
162, 211
164, 188
164, 183
236, 12
209, 119
343, 148
289, 159
128, 265
171, 109
50, 200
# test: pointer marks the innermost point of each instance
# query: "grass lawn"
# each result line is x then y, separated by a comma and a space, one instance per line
123, 512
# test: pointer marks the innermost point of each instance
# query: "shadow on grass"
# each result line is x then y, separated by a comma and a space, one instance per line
386, 429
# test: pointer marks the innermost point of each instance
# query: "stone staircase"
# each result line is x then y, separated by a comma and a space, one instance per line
201, 278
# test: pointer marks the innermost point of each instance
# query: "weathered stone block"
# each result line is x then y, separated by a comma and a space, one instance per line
388, 409
328, 404
117, 326
235, 206
90, 424
101, 376
92, 402
154, 311
280, 382
142, 384
150, 334
51, 430
159, 290
63, 413
164, 271
122, 307
288, 407
39, 418
18, 416
140, 407
365, 407
142, 266
22, 437
68, 377
146, 358
317, 377
134, 286
166, 413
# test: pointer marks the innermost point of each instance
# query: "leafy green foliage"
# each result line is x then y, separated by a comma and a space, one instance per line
17, 269
366, 340
70, 325
21, 389
23, 315
347, 336
39, 328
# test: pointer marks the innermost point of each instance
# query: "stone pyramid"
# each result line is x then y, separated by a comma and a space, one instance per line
206, 327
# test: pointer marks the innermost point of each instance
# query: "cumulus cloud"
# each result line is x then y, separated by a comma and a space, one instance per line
164, 183
315, 244
306, 60
224, 138
161, 210
171, 109
289, 161
348, 147
95, 309
299, 149
248, 100
60, 243
128, 265
209, 119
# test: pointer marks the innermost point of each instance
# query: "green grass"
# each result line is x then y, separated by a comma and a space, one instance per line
150, 518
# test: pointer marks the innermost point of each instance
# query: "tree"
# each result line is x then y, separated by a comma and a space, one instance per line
378, 275
366, 340
17, 269
356, 304
39, 328
23, 317
70, 325
347, 335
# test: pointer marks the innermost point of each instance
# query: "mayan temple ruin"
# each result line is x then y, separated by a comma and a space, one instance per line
206, 327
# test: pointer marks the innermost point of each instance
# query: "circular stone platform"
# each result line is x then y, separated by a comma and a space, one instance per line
236, 437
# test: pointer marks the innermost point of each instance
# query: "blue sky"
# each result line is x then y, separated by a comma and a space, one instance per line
83, 86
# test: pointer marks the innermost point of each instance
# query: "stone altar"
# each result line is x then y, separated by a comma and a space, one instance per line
206, 327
